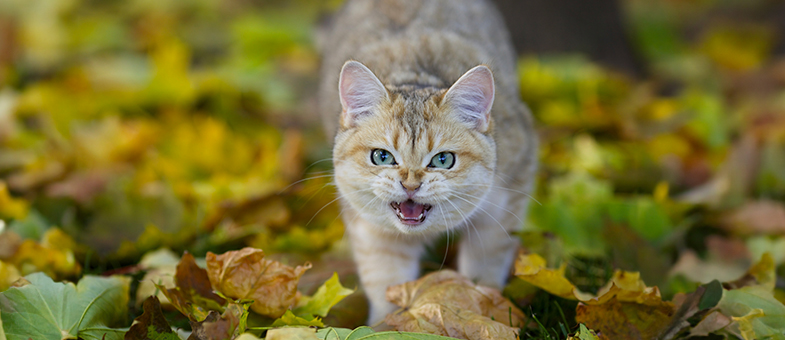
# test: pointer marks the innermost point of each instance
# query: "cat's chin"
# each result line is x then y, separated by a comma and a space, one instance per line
410, 213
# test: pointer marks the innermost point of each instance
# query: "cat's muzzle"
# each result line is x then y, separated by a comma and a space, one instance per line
411, 212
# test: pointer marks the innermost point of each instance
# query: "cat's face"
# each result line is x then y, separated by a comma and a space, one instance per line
416, 161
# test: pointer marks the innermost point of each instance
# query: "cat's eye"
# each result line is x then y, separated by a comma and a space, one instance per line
382, 157
443, 160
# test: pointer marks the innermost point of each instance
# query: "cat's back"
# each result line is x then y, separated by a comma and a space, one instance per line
426, 43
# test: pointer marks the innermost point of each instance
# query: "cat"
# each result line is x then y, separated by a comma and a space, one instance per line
430, 136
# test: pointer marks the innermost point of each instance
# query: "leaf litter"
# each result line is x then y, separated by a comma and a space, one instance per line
678, 177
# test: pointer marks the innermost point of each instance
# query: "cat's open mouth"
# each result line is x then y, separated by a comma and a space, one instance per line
411, 212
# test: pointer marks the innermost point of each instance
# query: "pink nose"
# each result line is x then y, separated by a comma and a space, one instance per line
411, 189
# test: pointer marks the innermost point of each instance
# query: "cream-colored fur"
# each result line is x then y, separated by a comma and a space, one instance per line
410, 102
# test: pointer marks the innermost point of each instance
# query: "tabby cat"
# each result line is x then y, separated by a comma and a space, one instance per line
430, 136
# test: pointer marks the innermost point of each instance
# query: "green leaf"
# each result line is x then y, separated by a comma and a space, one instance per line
44, 309
712, 295
392, 335
2, 332
289, 319
332, 333
756, 312
329, 294
586, 334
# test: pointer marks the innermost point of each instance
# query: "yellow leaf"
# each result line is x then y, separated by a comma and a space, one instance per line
531, 268
8, 274
47, 256
625, 308
12, 207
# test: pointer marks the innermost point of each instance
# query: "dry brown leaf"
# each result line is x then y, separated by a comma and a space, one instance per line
615, 319
193, 294
696, 269
446, 303
710, 324
757, 217
245, 274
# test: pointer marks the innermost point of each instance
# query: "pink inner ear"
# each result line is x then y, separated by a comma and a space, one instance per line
472, 96
360, 92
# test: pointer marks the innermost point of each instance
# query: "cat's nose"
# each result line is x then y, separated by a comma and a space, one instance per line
411, 187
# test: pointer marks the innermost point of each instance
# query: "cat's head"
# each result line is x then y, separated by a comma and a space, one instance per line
414, 161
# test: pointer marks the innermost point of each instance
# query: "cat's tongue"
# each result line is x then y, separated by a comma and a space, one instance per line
411, 209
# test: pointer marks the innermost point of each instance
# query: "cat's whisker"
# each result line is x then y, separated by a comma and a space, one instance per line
447, 249
489, 202
331, 202
302, 180
487, 213
469, 222
317, 162
503, 188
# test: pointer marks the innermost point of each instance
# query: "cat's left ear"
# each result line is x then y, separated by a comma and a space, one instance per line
471, 97
360, 92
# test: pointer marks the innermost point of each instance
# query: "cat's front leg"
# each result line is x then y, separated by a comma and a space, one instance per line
489, 243
383, 259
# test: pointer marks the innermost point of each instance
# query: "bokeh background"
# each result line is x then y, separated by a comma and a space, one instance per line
131, 126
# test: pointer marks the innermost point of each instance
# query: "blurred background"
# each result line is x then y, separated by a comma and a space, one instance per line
129, 126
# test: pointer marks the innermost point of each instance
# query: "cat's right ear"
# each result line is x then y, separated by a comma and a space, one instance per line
360, 93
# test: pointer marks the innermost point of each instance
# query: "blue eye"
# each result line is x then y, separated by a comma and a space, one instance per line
382, 157
443, 160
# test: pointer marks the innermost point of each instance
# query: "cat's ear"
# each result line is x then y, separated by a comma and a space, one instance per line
471, 97
360, 92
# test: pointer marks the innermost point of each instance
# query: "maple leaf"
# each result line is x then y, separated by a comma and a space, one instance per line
40, 308
446, 303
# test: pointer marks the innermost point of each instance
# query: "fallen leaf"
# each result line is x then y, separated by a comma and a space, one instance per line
711, 323
531, 268
698, 270
762, 273
446, 303
756, 314
227, 325
367, 333
328, 294
192, 295
151, 324
245, 274
52, 256
290, 319
688, 305
624, 286
615, 319
11, 207
757, 217
9, 244
624, 308
584, 334
8, 275
43, 309
160, 267
291, 333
